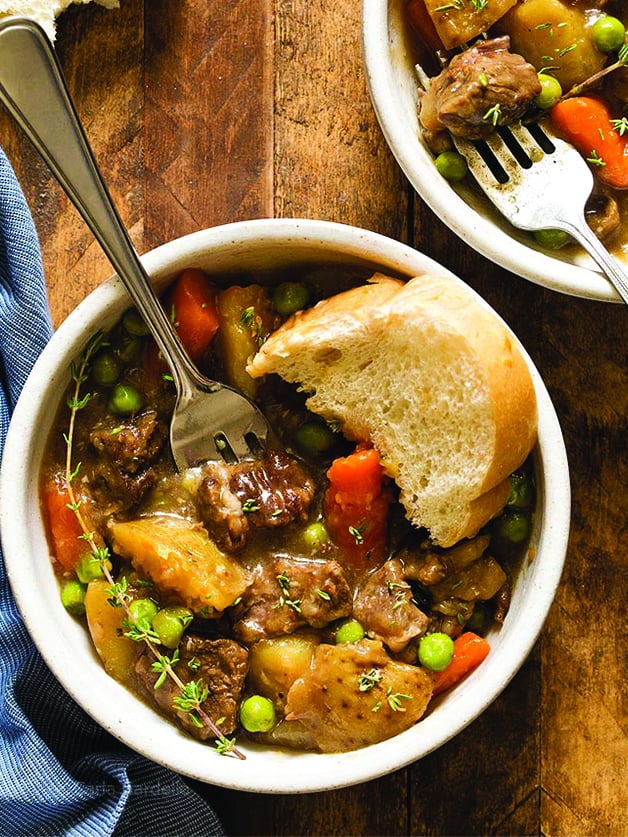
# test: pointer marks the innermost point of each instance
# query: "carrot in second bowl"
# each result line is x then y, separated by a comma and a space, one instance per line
587, 123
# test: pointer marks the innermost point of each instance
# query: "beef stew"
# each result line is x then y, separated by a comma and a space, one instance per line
248, 599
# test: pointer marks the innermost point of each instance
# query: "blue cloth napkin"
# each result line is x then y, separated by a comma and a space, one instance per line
60, 773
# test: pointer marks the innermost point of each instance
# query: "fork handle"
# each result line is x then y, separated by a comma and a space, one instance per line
33, 90
594, 247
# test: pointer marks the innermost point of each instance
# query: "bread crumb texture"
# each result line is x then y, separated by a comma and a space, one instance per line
45, 12
428, 374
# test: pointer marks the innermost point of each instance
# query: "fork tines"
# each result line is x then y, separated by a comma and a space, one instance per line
508, 148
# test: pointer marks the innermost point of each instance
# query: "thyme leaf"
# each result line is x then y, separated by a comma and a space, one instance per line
620, 125
356, 534
285, 597
394, 700
595, 159
494, 114
369, 679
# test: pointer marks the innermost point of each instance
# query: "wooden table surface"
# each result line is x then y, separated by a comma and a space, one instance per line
202, 112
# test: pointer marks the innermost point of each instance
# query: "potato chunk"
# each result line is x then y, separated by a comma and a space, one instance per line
459, 24
117, 652
356, 695
246, 319
274, 664
182, 562
551, 33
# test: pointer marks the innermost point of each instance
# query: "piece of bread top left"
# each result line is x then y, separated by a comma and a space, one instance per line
46, 12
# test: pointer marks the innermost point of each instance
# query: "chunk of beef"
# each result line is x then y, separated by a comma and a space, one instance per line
384, 607
432, 566
502, 601
276, 489
220, 664
484, 85
480, 581
288, 594
267, 492
354, 695
602, 214
455, 579
220, 509
127, 451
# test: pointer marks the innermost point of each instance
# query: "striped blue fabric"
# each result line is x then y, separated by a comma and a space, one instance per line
60, 773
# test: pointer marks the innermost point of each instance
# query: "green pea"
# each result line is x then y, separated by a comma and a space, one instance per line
315, 535
126, 347
436, 651
314, 437
90, 568
290, 297
349, 631
257, 714
608, 33
125, 400
478, 619
142, 612
73, 597
169, 624
105, 369
134, 324
513, 528
521, 492
451, 165
551, 239
551, 91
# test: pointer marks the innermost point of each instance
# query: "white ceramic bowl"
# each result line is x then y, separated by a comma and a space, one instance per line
390, 55
64, 642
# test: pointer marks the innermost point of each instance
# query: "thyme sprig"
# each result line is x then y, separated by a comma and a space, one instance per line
192, 694
578, 89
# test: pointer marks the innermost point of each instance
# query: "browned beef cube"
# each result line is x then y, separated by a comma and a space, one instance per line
220, 664
289, 594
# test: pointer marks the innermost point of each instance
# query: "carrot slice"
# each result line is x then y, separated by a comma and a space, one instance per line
68, 547
356, 506
587, 123
192, 302
469, 651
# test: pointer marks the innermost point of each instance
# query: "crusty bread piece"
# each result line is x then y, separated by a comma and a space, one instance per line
45, 12
431, 377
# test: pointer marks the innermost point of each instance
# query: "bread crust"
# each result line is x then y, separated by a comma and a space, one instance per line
427, 313
358, 308
504, 368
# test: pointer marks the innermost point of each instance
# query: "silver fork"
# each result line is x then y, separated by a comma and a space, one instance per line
210, 419
539, 182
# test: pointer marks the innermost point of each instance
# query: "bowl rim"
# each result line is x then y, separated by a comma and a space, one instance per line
112, 705
487, 238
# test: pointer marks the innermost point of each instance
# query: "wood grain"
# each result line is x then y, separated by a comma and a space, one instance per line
208, 119
204, 113
585, 752
327, 145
